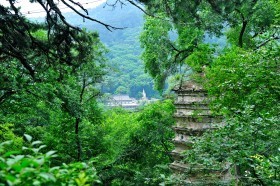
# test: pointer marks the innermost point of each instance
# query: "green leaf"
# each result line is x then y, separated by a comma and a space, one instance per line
28, 137
47, 176
6, 143
40, 161
50, 153
18, 157
24, 148
36, 142
7, 154
42, 146
10, 178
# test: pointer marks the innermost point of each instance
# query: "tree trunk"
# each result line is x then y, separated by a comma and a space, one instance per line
237, 174
240, 41
78, 143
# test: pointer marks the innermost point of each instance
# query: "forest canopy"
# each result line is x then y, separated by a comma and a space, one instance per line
241, 77
50, 77
49, 88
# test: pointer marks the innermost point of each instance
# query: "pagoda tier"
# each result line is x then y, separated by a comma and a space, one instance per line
193, 118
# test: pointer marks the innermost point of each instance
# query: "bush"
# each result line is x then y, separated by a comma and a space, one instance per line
31, 167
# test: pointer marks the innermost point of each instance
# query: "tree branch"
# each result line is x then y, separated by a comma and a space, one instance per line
140, 8
267, 41
13, 52
244, 24
78, 4
179, 52
109, 27
13, 7
6, 95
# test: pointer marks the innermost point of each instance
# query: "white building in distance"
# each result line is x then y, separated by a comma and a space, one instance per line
123, 101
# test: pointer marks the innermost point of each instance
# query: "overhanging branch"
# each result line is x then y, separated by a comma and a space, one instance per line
109, 27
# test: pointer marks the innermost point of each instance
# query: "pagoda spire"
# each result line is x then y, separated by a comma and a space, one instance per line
144, 96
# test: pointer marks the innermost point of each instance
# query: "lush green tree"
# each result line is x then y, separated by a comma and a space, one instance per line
32, 167
247, 24
59, 89
49, 83
7, 134
248, 98
31, 50
242, 79
157, 56
138, 145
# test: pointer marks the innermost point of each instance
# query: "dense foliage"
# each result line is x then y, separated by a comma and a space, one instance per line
50, 82
242, 77
249, 100
126, 149
60, 97
138, 145
31, 167
51, 76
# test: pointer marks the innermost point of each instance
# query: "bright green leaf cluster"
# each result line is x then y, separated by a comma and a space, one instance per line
32, 167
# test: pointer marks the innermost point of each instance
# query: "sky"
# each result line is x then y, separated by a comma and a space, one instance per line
35, 10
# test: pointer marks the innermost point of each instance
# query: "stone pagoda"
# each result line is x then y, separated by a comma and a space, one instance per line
193, 118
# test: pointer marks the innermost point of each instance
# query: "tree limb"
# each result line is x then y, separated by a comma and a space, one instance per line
109, 27
267, 41
243, 28
6, 95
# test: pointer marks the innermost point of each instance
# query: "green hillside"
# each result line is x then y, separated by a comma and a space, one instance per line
126, 71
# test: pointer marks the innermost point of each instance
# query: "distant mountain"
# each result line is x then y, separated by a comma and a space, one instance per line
126, 17
126, 74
